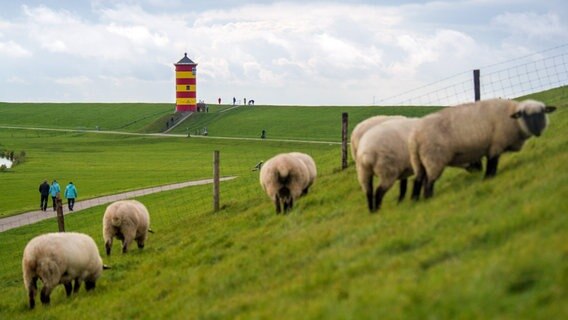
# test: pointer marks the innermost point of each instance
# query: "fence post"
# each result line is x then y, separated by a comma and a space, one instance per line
344, 122
60, 218
215, 181
476, 85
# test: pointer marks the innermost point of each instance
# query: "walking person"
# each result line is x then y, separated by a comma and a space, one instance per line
44, 191
54, 190
70, 195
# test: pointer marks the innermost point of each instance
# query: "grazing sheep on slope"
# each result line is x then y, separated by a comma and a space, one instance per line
60, 258
284, 178
311, 165
126, 220
383, 151
365, 125
465, 133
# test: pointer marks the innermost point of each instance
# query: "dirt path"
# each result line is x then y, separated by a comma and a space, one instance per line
35, 216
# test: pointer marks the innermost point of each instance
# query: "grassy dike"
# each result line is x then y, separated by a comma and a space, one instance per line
478, 249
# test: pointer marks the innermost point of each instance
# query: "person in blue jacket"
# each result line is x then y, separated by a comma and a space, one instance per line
70, 195
54, 190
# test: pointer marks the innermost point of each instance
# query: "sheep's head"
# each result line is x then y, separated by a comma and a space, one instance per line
531, 116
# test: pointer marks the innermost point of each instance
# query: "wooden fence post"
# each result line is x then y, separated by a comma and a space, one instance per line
215, 181
60, 218
476, 85
344, 122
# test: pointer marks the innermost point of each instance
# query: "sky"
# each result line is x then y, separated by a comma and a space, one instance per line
352, 52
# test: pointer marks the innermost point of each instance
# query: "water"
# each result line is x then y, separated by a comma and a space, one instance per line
6, 162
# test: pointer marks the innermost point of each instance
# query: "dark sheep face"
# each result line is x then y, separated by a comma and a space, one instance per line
532, 117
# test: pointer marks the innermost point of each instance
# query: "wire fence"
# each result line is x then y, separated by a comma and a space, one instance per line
514, 78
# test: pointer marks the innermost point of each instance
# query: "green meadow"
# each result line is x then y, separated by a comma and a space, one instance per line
477, 250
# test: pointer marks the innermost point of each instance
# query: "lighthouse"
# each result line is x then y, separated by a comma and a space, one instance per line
186, 85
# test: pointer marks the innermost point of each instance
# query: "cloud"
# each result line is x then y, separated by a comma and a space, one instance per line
14, 50
531, 24
73, 81
285, 52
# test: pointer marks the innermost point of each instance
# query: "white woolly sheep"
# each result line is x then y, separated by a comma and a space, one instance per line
461, 134
383, 152
310, 164
60, 258
284, 178
365, 125
127, 220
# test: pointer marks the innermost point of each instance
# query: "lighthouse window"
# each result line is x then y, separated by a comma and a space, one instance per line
186, 87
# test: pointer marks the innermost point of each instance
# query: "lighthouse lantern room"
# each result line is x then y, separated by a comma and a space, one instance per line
186, 85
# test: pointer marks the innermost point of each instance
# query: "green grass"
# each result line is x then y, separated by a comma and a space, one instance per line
477, 250
288, 122
130, 117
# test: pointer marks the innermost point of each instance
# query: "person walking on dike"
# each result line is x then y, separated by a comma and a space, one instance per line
44, 191
70, 195
54, 190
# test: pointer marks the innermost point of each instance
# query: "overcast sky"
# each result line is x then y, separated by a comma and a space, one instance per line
275, 52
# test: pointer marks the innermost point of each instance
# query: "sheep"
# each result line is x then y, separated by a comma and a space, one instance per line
126, 220
383, 152
284, 178
311, 165
458, 135
365, 125
60, 258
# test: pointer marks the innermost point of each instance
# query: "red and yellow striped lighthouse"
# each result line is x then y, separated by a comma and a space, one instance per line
186, 85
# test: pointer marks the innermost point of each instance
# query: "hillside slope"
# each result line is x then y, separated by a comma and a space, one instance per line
478, 249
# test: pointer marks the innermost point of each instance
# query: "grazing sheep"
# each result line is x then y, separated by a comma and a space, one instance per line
60, 258
284, 178
126, 220
311, 165
365, 125
465, 133
383, 152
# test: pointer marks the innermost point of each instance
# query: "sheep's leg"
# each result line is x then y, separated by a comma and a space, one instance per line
68, 288
44, 295
108, 246
277, 204
369, 194
288, 205
379, 197
77, 286
491, 170
128, 237
416, 188
32, 292
429, 188
140, 242
89, 285
403, 186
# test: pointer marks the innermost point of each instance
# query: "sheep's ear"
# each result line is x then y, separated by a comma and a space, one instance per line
517, 115
549, 109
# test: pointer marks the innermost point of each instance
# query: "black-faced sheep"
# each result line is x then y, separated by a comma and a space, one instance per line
365, 125
465, 133
311, 165
284, 178
60, 258
383, 152
126, 220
